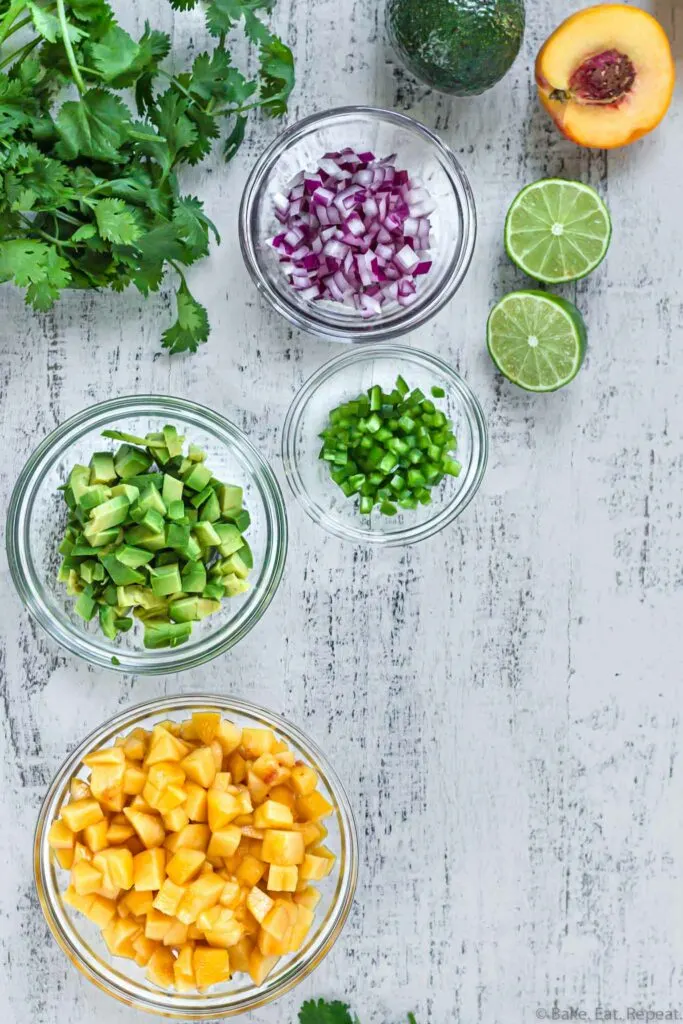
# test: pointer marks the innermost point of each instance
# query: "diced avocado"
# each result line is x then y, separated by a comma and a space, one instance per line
132, 556
129, 491
66, 547
106, 537
121, 435
173, 442
121, 575
79, 480
172, 489
139, 597
230, 498
64, 571
195, 453
241, 519
176, 511
130, 461
123, 623
193, 550
102, 469
191, 515
110, 596
153, 521
107, 617
230, 538
159, 633
177, 536
85, 606
165, 558
73, 583
206, 534
193, 578
142, 537
184, 610
110, 513
211, 510
145, 479
150, 498
207, 607
94, 495
165, 580
197, 476
235, 565
198, 499
246, 554
214, 591
86, 570
234, 585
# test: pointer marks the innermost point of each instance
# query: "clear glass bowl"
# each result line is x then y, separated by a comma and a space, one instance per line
123, 979
36, 522
347, 376
422, 154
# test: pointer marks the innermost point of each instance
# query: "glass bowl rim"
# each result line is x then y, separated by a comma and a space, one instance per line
21, 507
361, 331
448, 512
331, 926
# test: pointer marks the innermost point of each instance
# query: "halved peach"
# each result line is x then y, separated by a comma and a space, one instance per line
606, 75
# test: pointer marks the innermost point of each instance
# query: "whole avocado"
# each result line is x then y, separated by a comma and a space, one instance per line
457, 46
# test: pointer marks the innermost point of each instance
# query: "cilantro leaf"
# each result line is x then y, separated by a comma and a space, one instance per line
192, 326
49, 27
14, 110
117, 222
115, 54
95, 126
222, 15
215, 78
277, 76
36, 266
322, 1012
235, 138
43, 294
193, 226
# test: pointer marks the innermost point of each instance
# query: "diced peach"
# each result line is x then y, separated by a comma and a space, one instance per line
116, 865
75, 900
138, 804
157, 925
95, 836
164, 774
200, 895
160, 968
314, 868
206, 725
79, 789
222, 809
138, 903
268, 768
176, 820
285, 757
164, 746
217, 754
148, 827
250, 871
257, 741
308, 897
149, 870
229, 736
195, 805
313, 806
260, 966
60, 836
273, 815
283, 848
225, 937
78, 814
143, 949
81, 852
230, 895
282, 879
224, 841
283, 795
237, 767
200, 767
135, 745
211, 966
117, 833
192, 837
305, 918
280, 919
176, 934
184, 865
125, 930
106, 756
172, 797
65, 858
270, 946
222, 781
311, 831
168, 898
303, 780
101, 911
106, 784
86, 878
259, 903
239, 955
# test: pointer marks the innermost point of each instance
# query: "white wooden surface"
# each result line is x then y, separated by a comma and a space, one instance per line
502, 701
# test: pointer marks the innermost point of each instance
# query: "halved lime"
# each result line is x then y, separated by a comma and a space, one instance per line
557, 230
536, 340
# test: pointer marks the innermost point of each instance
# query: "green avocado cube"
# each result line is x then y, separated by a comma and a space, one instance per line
173, 442
172, 489
193, 578
165, 580
142, 537
177, 536
241, 519
198, 499
197, 476
246, 555
230, 538
110, 513
107, 617
159, 633
121, 575
230, 497
211, 509
79, 480
129, 491
153, 521
195, 453
206, 534
102, 469
184, 610
193, 551
94, 495
145, 480
234, 585
215, 591
150, 498
130, 461
206, 607
235, 565
105, 537
85, 605
133, 557
176, 511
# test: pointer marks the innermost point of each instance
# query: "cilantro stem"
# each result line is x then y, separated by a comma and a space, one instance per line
70, 55
23, 51
10, 16
60, 242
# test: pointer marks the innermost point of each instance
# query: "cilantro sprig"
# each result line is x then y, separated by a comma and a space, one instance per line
321, 1012
89, 193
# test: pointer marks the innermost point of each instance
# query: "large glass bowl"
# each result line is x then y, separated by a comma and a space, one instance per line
344, 378
423, 155
37, 519
80, 939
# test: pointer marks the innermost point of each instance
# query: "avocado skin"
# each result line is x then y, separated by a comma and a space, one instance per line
462, 47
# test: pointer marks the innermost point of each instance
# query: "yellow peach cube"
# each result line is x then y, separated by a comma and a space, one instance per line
282, 794
303, 779
65, 858
313, 806
148, 827
60, 837
224, 841
116, 865
149, 870
237, 767
273, 815
259, 904
78, 814
101, 911
308, 897
75, 900
206, 725
164, 746
222, 809
200, 895
256, 742
176, 934
195, 805
314, 868
229, 736
106, 756
282, 879
106, 784
211, 966
184, 865
160, 968
143, 949
260, 966
200, 767
85, 878
250, 871
283, 848
168, 898
176, 820
134, 780
157, 925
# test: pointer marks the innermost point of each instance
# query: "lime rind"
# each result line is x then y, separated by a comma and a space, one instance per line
557, 330
579, 216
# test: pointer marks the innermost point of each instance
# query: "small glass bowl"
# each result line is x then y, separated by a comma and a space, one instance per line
37, 518
123, 979
344, 378
423, 155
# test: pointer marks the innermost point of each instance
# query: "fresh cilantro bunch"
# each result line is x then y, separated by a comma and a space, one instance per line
89, 196
321, 1012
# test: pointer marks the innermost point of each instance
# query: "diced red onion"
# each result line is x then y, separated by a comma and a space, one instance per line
355, 231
